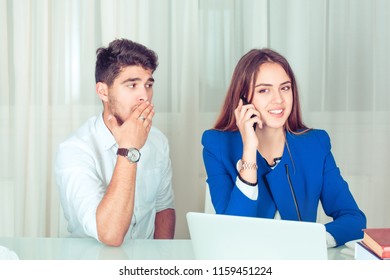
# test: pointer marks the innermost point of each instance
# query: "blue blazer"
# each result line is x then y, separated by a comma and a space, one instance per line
307, 165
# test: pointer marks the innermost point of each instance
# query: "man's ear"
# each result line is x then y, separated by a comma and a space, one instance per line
102, 91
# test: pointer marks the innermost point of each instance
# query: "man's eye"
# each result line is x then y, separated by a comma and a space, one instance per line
132, 85
149, 85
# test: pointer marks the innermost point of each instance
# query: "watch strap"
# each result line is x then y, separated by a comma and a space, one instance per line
132, 154
244, 165
248, 165
122, 152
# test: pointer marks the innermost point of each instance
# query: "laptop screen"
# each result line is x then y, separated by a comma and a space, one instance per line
217, 236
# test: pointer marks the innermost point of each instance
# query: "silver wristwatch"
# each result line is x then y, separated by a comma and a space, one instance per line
132, 154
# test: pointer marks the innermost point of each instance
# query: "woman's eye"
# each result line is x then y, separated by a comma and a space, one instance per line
286, 88
263, 90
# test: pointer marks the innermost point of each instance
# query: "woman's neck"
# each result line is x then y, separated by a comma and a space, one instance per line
271, 143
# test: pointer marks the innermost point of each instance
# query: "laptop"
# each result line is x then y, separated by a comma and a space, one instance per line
228, 237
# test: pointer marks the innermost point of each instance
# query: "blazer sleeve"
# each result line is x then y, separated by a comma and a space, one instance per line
222, 175
337, 200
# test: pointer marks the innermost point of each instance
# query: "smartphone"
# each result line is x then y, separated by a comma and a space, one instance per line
245, 102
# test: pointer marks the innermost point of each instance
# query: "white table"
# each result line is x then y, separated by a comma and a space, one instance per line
89, 249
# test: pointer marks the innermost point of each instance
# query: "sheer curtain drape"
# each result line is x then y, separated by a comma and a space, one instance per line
47, 65
338, 49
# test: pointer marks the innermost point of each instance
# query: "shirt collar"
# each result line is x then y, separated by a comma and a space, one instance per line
106, 138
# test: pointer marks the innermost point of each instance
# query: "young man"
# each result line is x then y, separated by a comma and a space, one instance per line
114, 173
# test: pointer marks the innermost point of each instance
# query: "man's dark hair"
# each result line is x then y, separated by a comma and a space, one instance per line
122, 53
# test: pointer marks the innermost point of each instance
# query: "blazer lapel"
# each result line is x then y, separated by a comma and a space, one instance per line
266, 205
280, 187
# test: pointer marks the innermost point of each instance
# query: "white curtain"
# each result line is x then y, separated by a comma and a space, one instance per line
338, 49
340, 52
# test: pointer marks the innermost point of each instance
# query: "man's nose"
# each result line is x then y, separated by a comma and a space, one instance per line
143, 96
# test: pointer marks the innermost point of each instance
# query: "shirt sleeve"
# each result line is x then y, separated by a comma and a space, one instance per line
81, 190
165, 196
250, 192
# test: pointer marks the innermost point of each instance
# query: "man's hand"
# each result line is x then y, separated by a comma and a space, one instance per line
135, 130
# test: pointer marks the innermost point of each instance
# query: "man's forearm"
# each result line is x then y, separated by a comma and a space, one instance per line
165, 224
113, 215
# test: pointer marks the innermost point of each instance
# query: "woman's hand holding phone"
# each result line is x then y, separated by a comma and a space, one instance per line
247, 119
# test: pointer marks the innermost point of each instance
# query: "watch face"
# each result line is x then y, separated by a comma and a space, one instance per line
134, 155
239, 165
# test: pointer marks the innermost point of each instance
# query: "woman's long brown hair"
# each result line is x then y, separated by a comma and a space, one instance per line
244, 78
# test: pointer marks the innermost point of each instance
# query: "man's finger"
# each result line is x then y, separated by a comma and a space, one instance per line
139, 108
148, 120
112, 122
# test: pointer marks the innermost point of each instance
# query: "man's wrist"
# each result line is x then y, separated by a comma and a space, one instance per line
132, 154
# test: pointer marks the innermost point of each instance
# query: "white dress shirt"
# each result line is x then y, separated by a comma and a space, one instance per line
83, 169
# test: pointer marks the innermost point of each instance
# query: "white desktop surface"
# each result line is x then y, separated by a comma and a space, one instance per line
89, 249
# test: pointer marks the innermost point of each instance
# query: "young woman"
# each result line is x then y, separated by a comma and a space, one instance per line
262, 161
